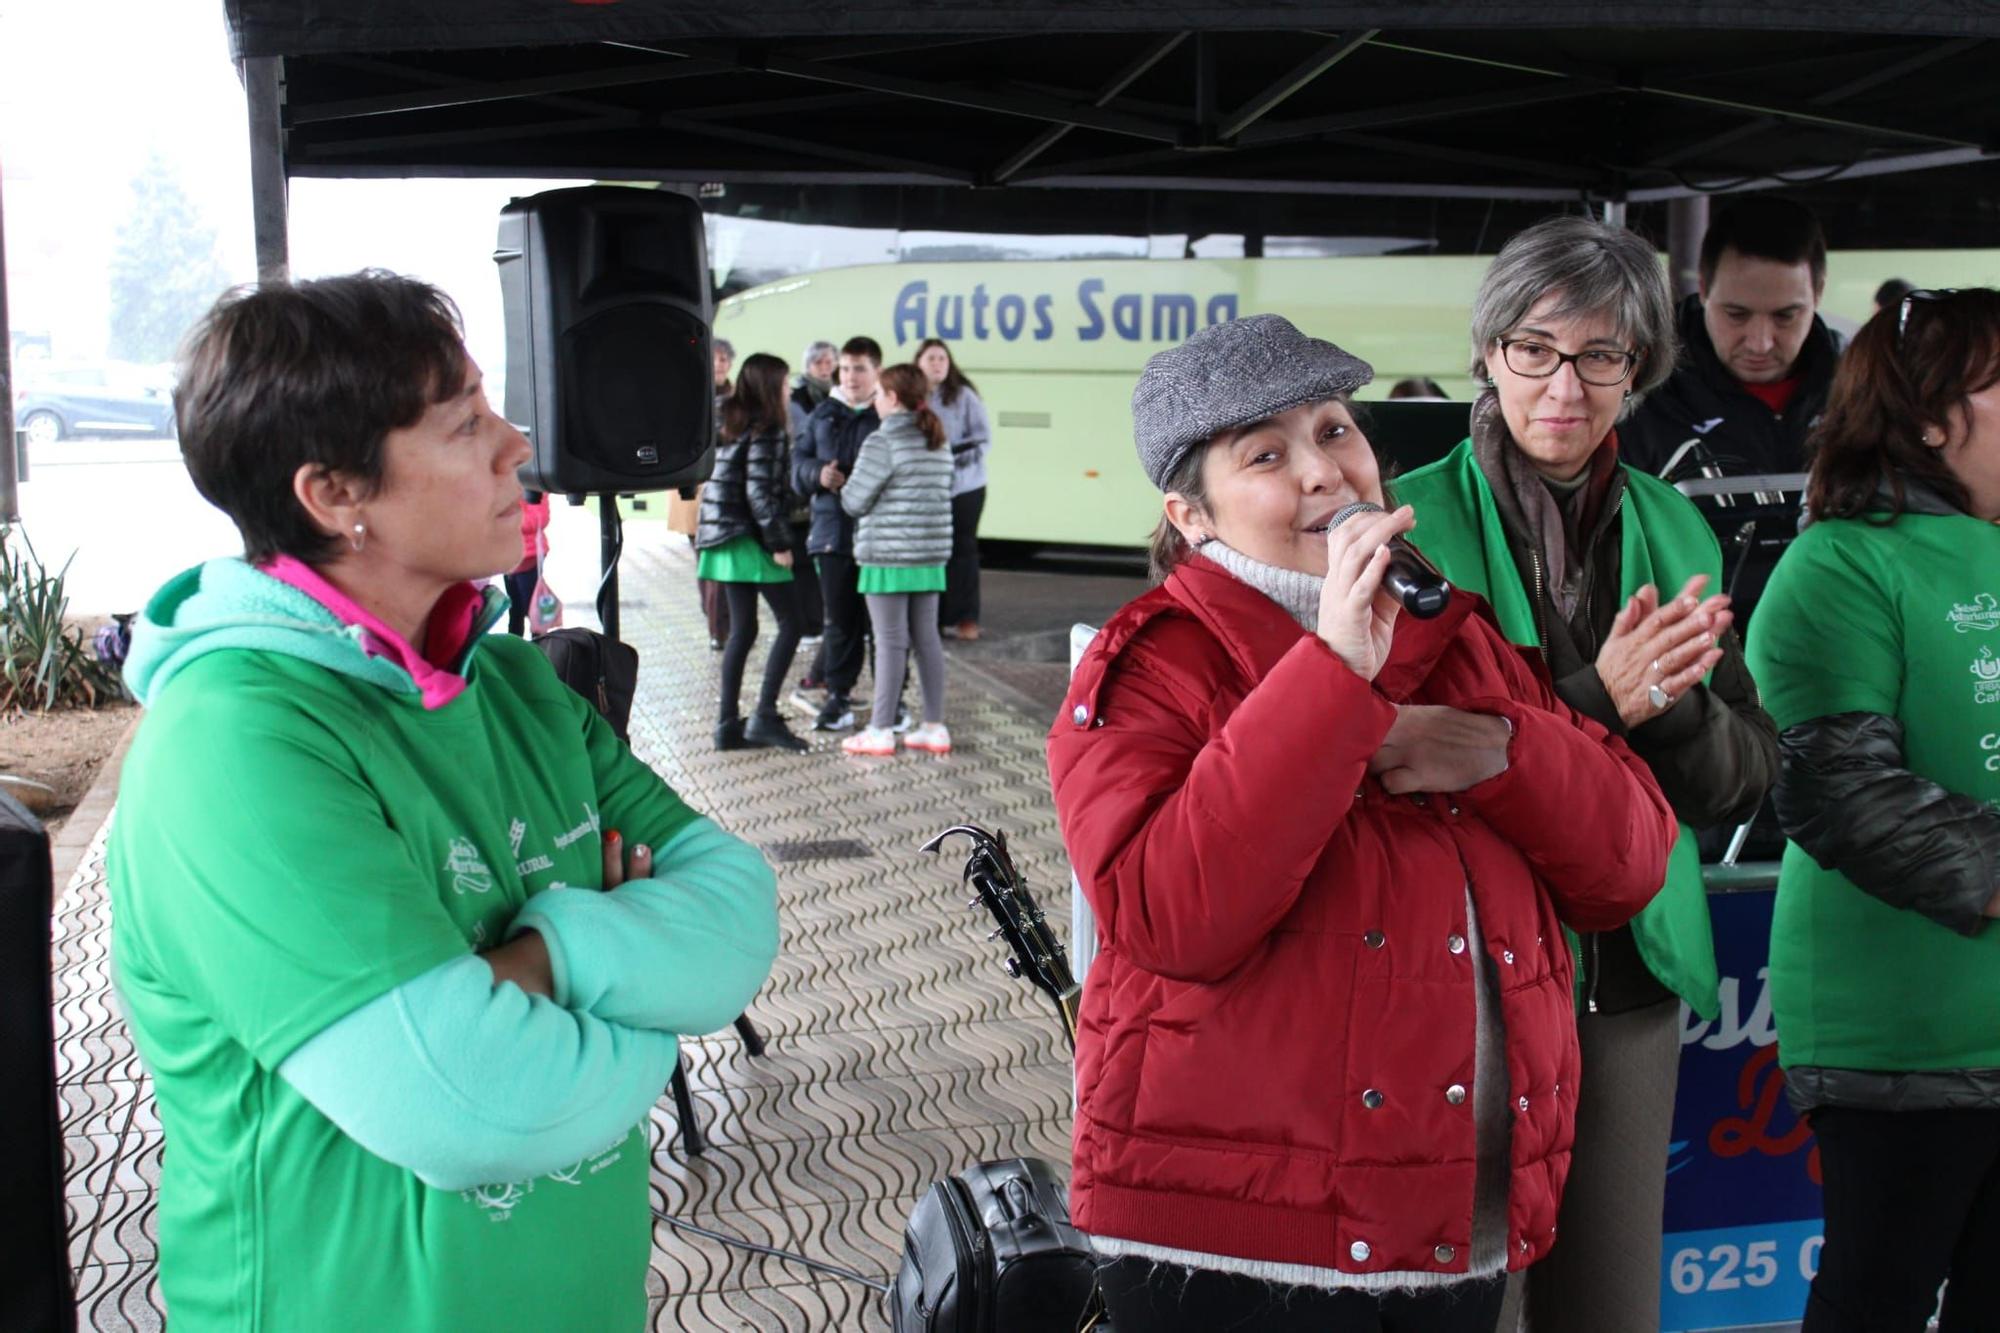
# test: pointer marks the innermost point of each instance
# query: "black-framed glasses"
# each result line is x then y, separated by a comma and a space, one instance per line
1536, 360
1910, 299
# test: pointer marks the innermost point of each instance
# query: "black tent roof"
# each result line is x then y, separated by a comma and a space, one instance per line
1121, 113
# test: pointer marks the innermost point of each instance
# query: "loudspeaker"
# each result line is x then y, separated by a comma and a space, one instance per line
609, 369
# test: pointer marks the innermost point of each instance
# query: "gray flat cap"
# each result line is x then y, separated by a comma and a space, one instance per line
1231, 375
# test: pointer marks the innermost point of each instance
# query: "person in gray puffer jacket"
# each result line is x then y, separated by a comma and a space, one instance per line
899, 494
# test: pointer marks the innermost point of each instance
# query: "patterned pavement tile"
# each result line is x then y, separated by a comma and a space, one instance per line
898, 1050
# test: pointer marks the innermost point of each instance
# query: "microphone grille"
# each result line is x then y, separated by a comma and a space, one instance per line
1358, 507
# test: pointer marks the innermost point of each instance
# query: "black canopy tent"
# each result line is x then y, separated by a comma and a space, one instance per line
1135, 116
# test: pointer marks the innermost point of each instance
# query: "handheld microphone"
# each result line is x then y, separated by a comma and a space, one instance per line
1410, 579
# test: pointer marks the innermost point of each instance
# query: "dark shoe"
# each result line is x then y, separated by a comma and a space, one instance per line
837, 714
968, 631
729, 735
772, 731
714, 644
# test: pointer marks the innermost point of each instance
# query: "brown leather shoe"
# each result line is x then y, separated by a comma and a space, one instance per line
968, 630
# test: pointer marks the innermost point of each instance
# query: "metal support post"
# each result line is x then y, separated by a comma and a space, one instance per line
611, 537
10, 480
263, 91
1687, 223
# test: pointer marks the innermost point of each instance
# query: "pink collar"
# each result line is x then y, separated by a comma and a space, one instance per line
452, 622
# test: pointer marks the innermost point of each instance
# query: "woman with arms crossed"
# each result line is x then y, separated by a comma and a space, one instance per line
404, 1047
1326, 1066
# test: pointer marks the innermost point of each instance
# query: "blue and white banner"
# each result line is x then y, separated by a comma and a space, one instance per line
1743, 1199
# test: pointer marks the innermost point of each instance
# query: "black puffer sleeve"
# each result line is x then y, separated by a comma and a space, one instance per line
765, 487
1845, 796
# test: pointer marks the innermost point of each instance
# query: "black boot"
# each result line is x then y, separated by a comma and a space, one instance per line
729, 735
770, 729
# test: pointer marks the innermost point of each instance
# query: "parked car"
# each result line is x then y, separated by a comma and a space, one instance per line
54, 403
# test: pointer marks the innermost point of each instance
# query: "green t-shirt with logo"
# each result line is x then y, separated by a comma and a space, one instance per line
290, 843
1901, 620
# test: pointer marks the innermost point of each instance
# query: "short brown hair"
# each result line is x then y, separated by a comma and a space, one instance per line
278, 377
1890, 387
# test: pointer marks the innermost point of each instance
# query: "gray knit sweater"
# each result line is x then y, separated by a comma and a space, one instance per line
900, 496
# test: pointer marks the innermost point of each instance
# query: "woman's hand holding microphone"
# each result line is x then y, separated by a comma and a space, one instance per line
1430, 747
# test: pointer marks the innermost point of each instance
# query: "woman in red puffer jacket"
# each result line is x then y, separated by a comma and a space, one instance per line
1327, 1066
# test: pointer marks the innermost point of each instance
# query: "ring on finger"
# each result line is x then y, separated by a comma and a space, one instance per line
1658, 697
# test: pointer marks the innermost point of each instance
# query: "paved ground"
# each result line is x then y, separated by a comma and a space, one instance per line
899, 1049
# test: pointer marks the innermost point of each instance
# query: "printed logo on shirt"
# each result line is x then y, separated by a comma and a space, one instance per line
1982, 613
497, 1201
516, 831
1704, 427
1989, 745
469, 874
1986, 677
589, 825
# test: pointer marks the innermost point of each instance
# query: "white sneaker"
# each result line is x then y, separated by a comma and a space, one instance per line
876, 741
931, 736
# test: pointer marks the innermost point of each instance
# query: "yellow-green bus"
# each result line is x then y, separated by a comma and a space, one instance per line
1056, 346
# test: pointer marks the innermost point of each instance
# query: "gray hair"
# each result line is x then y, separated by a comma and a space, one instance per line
1599, 270
815, 349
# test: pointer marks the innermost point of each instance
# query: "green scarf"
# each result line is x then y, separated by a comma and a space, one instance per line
1664, 542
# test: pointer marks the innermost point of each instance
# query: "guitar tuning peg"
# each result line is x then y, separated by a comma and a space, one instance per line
1014, 968
972, 902
996, 933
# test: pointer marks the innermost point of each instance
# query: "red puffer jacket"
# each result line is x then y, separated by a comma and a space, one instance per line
1277, 1037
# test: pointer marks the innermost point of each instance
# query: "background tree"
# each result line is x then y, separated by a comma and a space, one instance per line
165, 270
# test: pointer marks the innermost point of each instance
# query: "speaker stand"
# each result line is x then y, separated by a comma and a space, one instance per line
611, 541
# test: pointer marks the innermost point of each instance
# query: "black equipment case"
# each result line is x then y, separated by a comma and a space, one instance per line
992, 1250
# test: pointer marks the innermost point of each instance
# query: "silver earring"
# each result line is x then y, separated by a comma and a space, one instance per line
360, 537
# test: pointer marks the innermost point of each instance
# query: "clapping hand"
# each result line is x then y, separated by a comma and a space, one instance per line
1657, 653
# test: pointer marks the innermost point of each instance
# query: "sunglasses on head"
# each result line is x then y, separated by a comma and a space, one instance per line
1910, 300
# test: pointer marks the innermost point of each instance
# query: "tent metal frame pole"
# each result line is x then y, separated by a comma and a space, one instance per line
1687, 223
263, 92
10, 479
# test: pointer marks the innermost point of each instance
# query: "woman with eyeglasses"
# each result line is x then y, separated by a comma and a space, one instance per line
1878, 645
1603, 569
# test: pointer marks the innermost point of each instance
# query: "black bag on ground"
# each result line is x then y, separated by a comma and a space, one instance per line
992, 1250
602, 670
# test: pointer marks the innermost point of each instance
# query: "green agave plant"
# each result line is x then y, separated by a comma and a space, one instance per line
45, 663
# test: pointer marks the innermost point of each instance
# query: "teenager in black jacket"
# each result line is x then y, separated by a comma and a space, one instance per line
745, 542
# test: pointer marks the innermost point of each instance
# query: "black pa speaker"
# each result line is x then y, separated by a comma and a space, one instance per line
608, 305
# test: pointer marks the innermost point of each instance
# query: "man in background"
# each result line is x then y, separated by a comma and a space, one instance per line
1756, 359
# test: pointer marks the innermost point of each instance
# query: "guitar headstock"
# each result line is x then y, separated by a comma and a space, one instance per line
1036, 953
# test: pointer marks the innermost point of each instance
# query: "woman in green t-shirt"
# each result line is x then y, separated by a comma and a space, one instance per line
900, 495
1877, 643
744, 537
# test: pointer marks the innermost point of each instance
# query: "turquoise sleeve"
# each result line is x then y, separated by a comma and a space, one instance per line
681, 952
469, 1083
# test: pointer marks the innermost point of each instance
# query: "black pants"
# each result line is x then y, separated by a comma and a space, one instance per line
742, 599
805, 587
1912, 1198
961, 572
846, 620
520, 587
1144, 1297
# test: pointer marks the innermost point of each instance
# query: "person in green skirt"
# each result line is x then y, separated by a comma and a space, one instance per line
744, 540
1878, 643
900, 497
1602, 569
